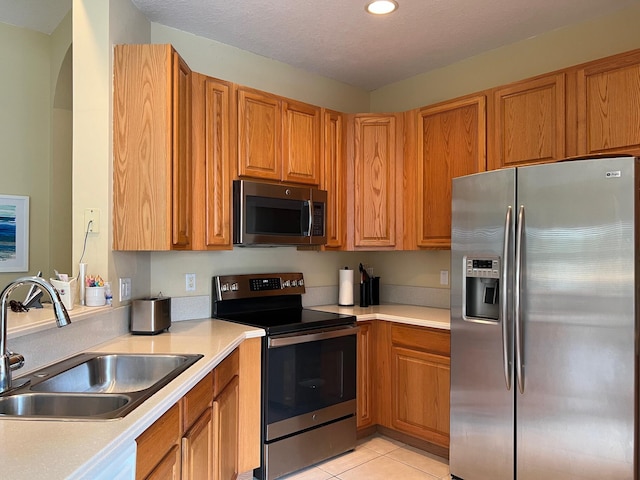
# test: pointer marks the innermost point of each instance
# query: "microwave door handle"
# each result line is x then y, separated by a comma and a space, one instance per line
310, 217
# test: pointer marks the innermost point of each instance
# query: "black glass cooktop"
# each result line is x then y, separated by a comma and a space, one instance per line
288, 319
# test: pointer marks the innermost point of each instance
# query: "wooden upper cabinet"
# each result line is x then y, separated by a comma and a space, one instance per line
451, 142
152, 149
278, 138
301, 143
608, 97
527, 122
259, 135
333, 179
213, 150
375, 168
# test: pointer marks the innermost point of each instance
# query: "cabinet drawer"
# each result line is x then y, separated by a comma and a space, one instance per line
196, 401
156, 441
225, 372
422, 338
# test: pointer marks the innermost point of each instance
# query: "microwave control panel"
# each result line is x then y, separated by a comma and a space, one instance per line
318, 219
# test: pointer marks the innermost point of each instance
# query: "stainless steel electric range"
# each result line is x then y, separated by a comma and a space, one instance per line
308, 369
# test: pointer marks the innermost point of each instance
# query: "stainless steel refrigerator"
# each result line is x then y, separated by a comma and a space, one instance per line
544, 322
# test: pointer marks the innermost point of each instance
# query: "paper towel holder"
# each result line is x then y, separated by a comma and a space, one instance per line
345, 289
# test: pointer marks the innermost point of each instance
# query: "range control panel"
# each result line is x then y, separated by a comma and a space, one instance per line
228, 287
483, 267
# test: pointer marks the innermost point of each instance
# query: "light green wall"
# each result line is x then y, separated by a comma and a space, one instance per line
544, 53
28, 83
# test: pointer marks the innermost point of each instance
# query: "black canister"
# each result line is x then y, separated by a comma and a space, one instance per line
364, 293
374, 291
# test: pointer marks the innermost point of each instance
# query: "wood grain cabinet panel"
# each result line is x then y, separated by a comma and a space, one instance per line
259, 135
152, 149
420, 404
419, 379
169, 466
225, 433
451, 142
301, 143
365, 407
333, 179
197, 449
213, 151
608, 96
377, 163
158, 441
528, 124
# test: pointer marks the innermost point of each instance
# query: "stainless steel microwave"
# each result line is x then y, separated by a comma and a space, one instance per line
273, 214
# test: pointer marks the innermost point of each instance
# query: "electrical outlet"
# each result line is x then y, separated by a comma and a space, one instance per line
124, 288
444, 277
92, 220
190, 282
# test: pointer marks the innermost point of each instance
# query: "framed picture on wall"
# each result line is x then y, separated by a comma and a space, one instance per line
14, 233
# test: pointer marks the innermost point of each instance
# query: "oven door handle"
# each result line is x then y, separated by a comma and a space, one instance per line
314, 336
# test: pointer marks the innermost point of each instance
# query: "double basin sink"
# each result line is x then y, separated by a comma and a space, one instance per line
92, 386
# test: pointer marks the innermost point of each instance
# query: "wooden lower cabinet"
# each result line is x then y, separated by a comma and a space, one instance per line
408, 396
197, 447
225, 432
364, 390
198, 438
169, 466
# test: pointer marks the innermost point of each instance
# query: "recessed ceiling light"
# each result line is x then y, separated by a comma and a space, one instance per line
381, 7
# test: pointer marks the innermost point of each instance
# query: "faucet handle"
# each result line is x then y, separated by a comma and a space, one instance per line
16, 360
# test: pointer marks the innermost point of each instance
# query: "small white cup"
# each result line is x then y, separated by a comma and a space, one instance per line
66, 290
94, 296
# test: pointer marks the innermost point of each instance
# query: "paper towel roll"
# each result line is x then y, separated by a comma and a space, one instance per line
345, 293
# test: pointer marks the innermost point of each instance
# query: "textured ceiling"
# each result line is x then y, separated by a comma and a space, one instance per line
338, 39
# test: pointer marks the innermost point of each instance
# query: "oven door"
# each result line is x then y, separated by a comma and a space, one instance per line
310, 380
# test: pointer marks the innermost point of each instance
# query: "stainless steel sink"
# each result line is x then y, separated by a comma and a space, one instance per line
113, 373
37, 405
93, 386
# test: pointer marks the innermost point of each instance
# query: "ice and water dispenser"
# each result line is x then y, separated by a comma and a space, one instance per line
482, 287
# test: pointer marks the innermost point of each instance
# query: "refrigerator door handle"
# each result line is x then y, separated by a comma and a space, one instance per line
503, 298
516, 306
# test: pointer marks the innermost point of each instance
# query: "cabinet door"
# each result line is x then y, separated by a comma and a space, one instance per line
181, 158
301, 143
420, 386
225, 433
377, 147
151, 144
197, 449
451, 143
364, 394
528, 124
334, 178
156, 441
259, 135
169, 466
213, 150
608, 95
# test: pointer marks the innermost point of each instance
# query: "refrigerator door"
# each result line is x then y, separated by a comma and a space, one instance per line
482, 411
576, 415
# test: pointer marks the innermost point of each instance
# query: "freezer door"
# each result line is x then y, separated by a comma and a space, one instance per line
482, 412
575, 418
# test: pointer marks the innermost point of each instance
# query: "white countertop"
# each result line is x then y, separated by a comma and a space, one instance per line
408, 314
46, 449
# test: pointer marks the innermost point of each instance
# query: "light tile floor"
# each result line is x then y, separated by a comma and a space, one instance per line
378, 458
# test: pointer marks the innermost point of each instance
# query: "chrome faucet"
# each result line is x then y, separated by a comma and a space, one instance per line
13, 361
